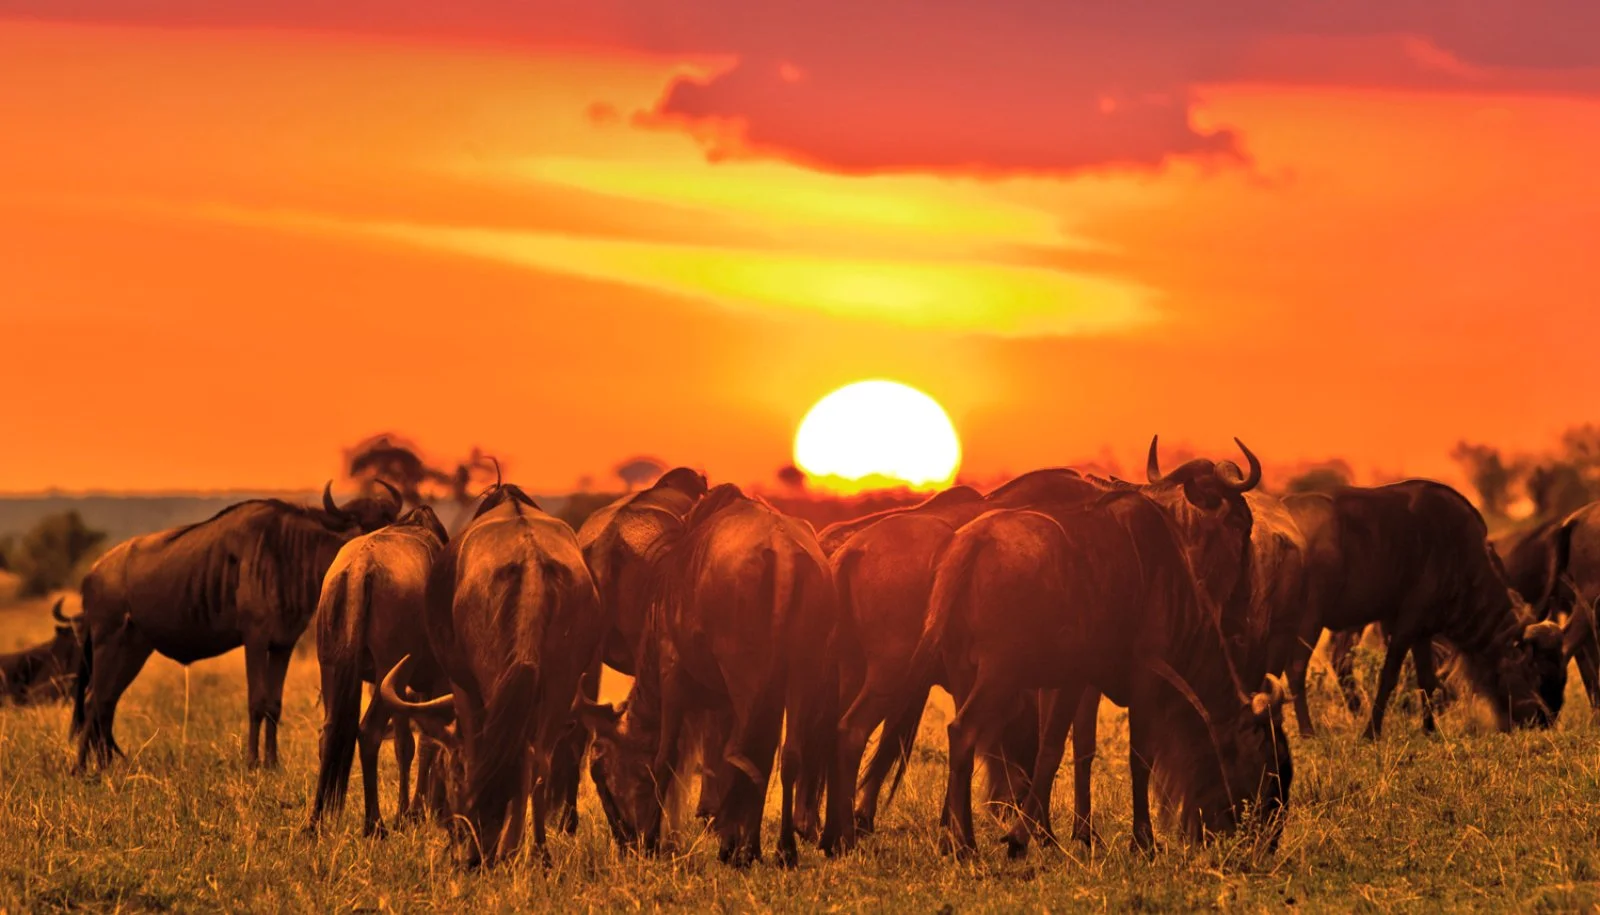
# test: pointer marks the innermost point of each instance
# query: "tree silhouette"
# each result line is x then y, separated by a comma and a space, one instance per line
1488, 474
792, 478
641, 471
54, 553
399, 461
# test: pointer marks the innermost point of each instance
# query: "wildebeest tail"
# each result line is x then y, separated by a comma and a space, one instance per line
338, 618
498, 777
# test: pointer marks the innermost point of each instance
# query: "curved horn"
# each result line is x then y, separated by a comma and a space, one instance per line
62, 618
399, 500
1251, 480
328, 505
1152, 466
498, 480
389, 689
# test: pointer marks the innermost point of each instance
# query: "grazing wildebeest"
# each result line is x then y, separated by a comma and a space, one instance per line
1532, 559
1101, 596
884, 572
1249, 572
737, 640
373, 612
615, 541
249, 576
1415, 556
514, 623
45, 672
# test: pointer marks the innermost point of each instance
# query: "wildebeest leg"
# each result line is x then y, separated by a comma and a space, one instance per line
984, 712
872, 705
1588, 660
405, 751
1396, 655
1299, 663
540, 795
789, 773
118, 658
1085, 733
894, 745
1427, 679
1141, 748
427, 754
373, 724
711, 731
1055, 719
1341, 655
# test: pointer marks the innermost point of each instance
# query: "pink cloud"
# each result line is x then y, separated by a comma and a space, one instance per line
1002, 87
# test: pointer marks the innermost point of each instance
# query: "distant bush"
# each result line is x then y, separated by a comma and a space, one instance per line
54, 554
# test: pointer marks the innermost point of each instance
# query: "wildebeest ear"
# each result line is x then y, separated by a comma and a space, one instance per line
1544, 636
1268, 703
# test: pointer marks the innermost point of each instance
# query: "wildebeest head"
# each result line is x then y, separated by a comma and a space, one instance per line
620, 765
366, 512
1522, 670
437, 719
1239, 772
1216, 522
1533, 671
67, 645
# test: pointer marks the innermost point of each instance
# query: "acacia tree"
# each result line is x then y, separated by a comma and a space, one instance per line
641, 471
398, 460
54, 553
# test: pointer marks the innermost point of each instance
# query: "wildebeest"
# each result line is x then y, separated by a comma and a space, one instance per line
373, 612
45, 672
1247, 571
250, 575
514, 623
736, 641
1574, 590
884, 572
1101, 596
1415, 557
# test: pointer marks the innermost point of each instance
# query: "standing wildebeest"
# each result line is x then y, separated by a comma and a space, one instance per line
1415, 556
1101, 596
250, 576
737, 640
46, 671
514, 624
373, 612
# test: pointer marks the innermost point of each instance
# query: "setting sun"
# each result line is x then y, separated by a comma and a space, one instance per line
877, 434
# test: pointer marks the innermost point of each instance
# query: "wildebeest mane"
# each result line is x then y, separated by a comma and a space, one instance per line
501, 493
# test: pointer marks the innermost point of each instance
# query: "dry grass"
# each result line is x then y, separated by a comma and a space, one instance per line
1466, 820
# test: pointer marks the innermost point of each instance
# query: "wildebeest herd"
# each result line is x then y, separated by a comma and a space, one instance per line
754, 641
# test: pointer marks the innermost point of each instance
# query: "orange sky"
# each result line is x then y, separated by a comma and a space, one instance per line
229, 247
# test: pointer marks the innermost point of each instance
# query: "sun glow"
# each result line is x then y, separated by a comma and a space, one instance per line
877, 435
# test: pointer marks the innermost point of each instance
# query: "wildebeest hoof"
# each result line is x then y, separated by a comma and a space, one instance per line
376, 830
864, 823
788, 854
1016, 849
1369, 733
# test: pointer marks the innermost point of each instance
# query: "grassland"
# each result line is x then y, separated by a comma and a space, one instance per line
1469, 819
